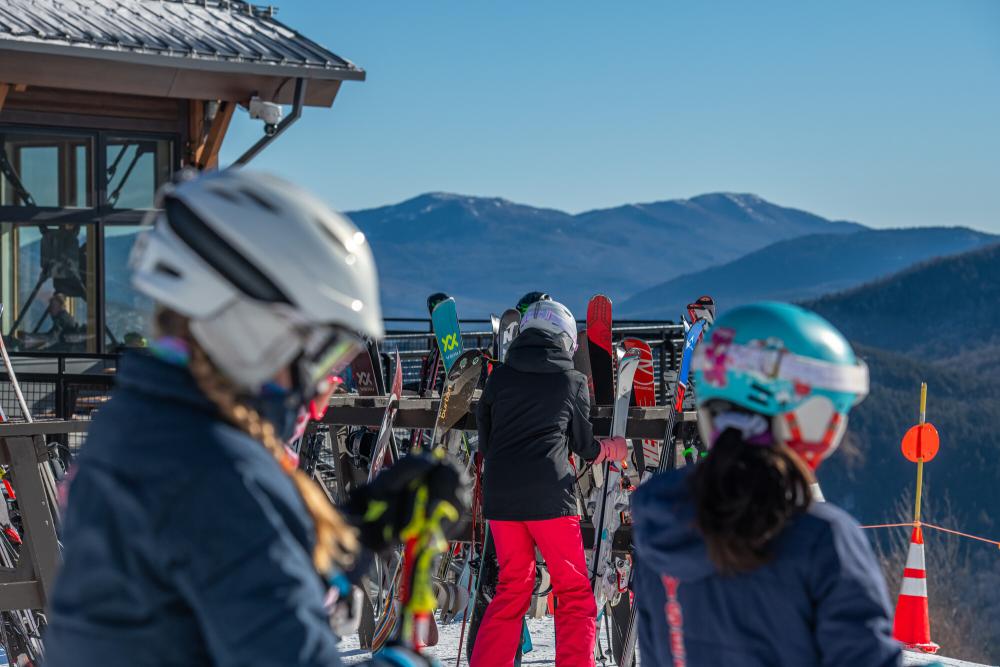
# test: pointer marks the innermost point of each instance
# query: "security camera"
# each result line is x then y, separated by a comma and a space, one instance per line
269, 112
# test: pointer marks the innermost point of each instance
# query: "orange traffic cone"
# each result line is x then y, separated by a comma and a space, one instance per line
912, 624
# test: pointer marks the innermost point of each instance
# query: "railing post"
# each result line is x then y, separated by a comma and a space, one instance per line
663, 367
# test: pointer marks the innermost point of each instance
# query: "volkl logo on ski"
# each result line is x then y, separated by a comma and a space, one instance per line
449, 342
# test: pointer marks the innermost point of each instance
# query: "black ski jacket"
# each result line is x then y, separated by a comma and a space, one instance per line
534, 411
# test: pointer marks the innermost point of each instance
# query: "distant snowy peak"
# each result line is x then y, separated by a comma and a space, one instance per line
489, 250
746, 206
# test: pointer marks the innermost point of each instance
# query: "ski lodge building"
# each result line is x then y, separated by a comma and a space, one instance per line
100, 102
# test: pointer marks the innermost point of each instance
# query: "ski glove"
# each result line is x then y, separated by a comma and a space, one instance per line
383, 509
401, 656
343, 604
612, 449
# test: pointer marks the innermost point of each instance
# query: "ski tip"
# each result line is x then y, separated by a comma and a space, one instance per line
436, 299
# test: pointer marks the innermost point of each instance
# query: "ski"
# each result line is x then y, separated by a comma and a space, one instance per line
495, 340
385, 430
363, 374
703, 311
510, 326
444, 318
377, 366
411, 621
431, 367
643, 395
602, 361
456, 396
608, 502
581, 362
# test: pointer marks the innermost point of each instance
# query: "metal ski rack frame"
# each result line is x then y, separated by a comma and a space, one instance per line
23, 446
415, 412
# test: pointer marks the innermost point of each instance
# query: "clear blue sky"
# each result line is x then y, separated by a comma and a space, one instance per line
884, 112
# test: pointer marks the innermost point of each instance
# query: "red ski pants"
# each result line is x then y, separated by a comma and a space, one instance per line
561, 545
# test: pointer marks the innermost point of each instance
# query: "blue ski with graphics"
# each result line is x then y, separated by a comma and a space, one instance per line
444, 318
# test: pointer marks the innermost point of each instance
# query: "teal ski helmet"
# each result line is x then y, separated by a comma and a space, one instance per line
787, 365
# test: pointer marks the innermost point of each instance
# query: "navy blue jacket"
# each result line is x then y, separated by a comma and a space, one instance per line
821, 601
184, 542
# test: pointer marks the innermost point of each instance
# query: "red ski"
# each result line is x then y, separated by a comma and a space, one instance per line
644, 396
602, 359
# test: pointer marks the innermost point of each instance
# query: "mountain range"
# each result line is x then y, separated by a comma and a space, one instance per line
936, 322
486, 252
651, 259
806, 267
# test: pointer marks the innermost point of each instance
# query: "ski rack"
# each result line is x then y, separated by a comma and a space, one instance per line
23, 447
647, 423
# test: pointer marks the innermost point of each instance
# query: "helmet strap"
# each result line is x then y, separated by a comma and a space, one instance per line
811, 452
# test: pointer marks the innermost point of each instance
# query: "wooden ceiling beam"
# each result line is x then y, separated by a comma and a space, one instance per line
207, 152
5, 89
196, 130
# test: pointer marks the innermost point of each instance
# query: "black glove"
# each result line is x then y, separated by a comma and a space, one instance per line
382, 509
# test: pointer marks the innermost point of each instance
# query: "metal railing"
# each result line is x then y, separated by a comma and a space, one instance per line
60, 387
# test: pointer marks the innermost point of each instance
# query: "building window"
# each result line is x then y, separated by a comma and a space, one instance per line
47, 286
71, 206
46, 170
136, 168
127, 312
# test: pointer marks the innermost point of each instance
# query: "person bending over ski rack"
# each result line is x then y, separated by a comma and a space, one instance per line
190, 537
736, 563
533, 412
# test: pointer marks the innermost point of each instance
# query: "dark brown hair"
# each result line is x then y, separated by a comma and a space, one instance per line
744, 496
335, 540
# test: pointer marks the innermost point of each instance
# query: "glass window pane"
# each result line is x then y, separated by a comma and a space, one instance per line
127, 312
47, 287
135, 169
45, 170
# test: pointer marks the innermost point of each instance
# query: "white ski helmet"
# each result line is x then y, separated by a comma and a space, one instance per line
268, 275
553, 317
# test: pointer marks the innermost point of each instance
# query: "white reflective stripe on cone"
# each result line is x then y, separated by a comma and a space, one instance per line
914, 587
915, 557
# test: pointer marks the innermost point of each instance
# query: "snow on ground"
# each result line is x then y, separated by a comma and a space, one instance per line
918, 658
544, 653
542, 636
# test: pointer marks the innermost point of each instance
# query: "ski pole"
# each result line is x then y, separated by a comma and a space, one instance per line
13, 379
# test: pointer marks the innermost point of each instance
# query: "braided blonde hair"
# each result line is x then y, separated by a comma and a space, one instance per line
336, 541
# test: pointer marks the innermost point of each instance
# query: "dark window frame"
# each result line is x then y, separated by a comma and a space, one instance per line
98, 217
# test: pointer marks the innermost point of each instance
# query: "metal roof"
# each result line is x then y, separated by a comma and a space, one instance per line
220, 35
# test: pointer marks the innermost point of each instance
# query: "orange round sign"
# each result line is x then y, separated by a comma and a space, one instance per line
921, 442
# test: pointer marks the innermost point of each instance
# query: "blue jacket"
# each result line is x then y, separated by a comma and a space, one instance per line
184, 542
821, 600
